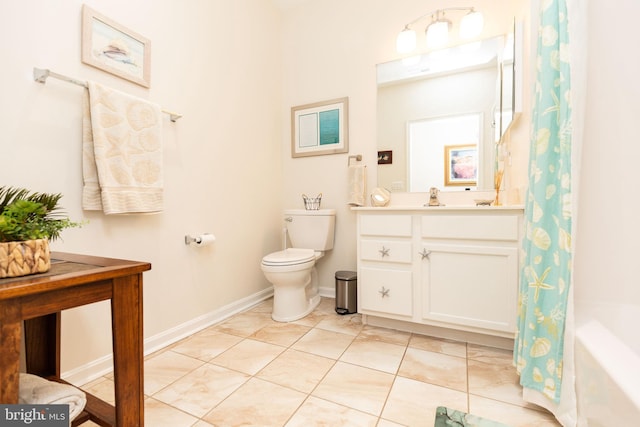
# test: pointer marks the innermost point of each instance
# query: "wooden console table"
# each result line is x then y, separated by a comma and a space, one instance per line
72, 281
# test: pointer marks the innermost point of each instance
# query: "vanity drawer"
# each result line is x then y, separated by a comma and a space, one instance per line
386, 250
386, 290
485, 227
385, 225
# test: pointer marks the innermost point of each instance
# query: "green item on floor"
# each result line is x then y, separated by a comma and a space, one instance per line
447, 417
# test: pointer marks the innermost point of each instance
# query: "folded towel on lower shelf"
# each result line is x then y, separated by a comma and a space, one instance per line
36, 390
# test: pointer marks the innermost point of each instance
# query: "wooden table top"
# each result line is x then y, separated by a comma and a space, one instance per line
69, 270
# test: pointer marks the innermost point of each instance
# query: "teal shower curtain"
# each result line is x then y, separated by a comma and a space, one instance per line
546, 267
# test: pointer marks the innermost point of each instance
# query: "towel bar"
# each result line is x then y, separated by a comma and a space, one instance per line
40, 75
358, 158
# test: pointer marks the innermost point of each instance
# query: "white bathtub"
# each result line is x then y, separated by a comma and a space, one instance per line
607, 355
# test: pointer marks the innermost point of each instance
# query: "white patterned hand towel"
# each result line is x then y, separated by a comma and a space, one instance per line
36, 390
121, 153
357, 185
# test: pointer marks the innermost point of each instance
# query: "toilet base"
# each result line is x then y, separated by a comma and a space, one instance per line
312, 304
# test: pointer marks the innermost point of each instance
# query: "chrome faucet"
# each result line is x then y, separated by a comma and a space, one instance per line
433, 197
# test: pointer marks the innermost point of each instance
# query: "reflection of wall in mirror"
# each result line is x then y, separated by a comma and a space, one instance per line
469, 92
431, 138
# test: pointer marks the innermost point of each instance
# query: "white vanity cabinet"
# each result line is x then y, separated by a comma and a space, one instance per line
450, 268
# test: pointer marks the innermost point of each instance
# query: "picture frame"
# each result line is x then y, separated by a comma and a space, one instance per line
114, 48
320, 128
461, 165
385, 157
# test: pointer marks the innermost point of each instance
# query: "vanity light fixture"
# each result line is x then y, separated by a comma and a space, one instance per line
437, 32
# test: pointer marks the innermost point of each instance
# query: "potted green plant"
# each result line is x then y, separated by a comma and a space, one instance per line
28, 221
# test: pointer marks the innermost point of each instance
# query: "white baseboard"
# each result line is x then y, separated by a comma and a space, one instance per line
102, 366
327, 292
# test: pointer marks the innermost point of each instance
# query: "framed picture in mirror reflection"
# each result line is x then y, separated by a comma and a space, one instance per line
461, 165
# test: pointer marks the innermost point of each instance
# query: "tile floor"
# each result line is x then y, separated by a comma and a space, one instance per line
323, 370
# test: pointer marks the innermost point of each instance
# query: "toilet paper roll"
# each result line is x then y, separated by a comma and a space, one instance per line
205, 239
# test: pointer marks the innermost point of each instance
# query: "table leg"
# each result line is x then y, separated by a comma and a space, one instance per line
42, 345
128, 349
10, 337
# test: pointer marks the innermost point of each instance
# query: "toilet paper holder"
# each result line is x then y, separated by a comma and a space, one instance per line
188, 239
197, 239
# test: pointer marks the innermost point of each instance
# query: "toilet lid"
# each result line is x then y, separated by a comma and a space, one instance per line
289, 256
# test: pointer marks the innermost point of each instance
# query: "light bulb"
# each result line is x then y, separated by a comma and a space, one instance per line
471, 25
406, 41
438, 33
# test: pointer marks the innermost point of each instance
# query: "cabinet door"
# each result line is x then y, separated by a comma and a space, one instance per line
470, 285
386, 290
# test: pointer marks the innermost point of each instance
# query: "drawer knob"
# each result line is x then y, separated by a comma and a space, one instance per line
384, 251
425, 254
384, 292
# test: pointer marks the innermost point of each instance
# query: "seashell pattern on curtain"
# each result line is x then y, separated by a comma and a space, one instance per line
547, 258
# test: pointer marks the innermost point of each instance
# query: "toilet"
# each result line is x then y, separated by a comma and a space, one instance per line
292, 271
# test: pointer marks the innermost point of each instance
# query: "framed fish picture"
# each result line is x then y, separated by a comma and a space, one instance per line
115, 49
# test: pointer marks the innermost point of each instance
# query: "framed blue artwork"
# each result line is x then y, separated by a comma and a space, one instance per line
320, 128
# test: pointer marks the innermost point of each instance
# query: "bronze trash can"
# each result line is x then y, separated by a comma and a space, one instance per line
346, 292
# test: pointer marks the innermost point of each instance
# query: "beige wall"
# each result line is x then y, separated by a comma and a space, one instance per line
218, 63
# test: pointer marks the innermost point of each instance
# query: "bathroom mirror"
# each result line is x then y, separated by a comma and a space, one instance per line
440, 114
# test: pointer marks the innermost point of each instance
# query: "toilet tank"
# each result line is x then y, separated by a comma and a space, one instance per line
311, 229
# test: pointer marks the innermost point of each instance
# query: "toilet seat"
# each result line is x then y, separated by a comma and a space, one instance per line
290, 256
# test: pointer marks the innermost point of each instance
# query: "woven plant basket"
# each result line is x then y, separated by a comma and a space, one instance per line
24, 258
